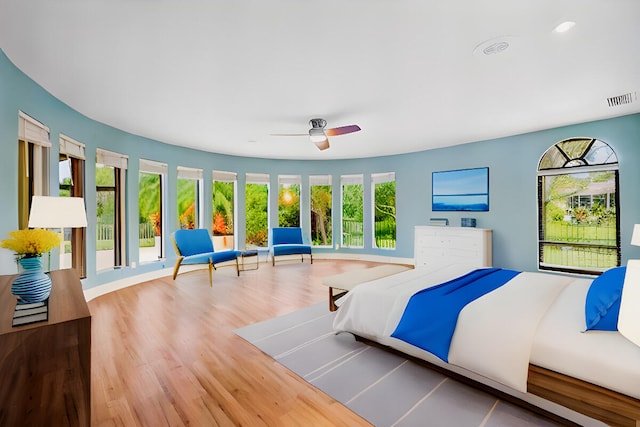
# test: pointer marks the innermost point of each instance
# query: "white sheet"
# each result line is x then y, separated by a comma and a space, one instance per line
603, 358
493, 335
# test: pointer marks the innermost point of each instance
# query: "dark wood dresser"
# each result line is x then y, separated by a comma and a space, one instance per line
45, 367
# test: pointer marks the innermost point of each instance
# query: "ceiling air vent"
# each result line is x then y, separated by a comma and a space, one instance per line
627, 98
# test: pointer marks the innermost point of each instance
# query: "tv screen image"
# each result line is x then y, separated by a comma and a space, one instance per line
460, 190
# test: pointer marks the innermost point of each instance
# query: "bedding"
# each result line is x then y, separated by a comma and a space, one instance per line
534, 318
482, 342
599, 357
430, 317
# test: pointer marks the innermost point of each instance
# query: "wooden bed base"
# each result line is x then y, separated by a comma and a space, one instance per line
597, 402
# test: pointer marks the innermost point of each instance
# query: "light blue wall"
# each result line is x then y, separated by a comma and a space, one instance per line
512, 162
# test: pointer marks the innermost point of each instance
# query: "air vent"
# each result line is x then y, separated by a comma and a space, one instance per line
627, 98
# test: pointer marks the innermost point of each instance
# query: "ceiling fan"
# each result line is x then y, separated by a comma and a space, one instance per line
319, 135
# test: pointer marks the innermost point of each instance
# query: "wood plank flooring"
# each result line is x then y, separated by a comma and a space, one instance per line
164, 352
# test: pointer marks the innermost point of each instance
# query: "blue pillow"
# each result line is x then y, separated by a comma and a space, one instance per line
603, 300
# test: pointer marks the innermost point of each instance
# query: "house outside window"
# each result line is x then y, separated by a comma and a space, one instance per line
321, 209
578, 207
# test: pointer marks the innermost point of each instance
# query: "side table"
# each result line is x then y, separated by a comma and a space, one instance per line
249, 254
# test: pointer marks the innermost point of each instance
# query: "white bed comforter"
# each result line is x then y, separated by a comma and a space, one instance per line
493, 335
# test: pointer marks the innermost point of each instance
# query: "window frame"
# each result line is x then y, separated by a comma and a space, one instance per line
566, 158
345, 180
376, 179
119, 164
74, 152
321, 181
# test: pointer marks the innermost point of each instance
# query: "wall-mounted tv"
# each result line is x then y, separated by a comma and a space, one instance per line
460, 190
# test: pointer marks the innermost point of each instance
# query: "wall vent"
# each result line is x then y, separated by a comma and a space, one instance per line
627, 98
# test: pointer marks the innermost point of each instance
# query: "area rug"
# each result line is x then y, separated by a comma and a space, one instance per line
382, 387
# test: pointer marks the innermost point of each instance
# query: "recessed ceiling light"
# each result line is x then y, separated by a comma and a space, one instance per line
564, 27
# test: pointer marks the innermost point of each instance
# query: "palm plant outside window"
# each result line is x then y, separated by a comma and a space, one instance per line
321, 206
579, 222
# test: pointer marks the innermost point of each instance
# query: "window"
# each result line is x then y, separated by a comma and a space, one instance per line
289, 200
384, 210
189, 197
579, 221
321, 204
352, 216
111, 171
224, 208
71, 177
257, 210
151, 210
33, 164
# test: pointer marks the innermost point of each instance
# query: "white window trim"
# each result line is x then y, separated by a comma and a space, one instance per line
109, 158
71, 148
31, 130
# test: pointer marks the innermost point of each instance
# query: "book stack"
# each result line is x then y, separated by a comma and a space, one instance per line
30, 313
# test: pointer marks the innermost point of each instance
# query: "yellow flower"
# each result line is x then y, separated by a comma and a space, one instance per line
31, 242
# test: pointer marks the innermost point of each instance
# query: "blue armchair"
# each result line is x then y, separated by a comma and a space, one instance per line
196, 247
288, 241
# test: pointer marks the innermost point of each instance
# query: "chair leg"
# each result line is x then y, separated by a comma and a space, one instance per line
211, 267
237, 268
311, 256
177, 267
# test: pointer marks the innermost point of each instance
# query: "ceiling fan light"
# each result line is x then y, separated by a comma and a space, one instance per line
318, 138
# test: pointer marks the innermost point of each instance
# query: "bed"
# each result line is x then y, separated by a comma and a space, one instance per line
525, 338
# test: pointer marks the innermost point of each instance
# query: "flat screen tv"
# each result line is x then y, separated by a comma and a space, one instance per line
460, 190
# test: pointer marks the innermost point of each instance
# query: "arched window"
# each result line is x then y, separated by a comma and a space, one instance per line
578, 207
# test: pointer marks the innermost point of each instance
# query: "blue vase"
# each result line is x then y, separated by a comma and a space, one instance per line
32, 284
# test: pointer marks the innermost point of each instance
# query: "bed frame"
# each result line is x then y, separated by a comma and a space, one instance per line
597, 402
434, 246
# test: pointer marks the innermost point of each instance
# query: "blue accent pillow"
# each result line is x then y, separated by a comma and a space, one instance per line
603, 300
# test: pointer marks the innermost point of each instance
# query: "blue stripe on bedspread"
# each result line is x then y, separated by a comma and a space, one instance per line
430, 317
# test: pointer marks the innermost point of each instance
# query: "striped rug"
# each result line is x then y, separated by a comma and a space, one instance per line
384, 388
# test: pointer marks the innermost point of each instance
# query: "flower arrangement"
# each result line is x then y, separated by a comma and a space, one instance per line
31, 243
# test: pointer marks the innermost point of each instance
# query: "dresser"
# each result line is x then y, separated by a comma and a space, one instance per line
45, 367
438, 246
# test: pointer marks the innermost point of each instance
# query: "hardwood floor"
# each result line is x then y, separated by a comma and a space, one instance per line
164, 351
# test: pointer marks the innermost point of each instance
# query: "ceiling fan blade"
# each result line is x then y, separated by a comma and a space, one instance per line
289, 134
322, 145
342, 130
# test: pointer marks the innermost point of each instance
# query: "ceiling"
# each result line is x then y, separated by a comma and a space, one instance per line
223, 76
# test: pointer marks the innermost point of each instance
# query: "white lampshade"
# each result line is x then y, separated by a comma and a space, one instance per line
635, 237
57, 212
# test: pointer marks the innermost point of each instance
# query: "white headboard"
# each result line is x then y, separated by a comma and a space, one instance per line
439, 246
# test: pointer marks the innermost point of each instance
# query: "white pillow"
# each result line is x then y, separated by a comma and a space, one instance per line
629, 318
